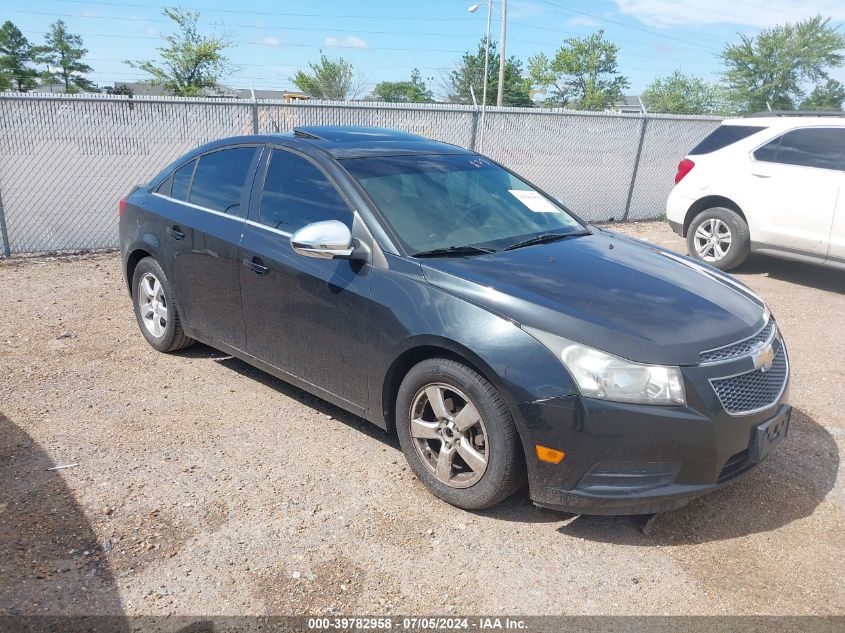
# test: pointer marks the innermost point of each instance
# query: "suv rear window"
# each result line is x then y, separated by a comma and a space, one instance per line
725, 135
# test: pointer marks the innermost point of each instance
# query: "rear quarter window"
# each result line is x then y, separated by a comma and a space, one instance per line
725, 135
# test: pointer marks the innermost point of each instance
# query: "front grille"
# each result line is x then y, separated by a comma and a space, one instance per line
741, 348
755, 389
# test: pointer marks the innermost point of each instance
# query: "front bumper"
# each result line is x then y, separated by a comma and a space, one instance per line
638, 459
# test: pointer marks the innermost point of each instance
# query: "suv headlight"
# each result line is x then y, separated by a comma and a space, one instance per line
608, 377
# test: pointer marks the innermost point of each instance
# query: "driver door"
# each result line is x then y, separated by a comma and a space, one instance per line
305, 316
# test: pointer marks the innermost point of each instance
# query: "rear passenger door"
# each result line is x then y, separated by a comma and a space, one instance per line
211, 197
797, 180
308, 317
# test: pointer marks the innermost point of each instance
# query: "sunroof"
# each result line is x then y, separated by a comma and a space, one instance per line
350, 134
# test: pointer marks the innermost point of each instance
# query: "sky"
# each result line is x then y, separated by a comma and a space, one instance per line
386, 39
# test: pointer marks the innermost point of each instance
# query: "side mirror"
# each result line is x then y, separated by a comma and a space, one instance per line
325, 240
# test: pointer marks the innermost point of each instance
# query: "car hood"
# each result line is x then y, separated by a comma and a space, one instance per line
611, 292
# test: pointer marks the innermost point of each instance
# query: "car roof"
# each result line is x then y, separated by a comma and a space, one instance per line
347, 141
790, 120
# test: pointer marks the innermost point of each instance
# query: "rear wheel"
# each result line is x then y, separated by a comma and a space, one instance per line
155, 308
458, 435
719, 237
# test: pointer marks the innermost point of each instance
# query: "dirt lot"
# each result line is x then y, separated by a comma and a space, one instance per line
203, 486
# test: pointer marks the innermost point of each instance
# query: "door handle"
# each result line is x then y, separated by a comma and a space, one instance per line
175, 232
256, 265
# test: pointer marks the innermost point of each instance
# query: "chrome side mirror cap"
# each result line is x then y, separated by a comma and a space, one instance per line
329, 239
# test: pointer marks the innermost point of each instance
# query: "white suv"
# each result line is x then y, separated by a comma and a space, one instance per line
770, 183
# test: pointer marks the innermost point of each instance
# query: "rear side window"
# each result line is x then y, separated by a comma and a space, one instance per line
220, 178
297, 193
725, 135
178, 185
807, 147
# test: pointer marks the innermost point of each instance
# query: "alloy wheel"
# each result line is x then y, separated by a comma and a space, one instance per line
449, 435
712, 240
152, 304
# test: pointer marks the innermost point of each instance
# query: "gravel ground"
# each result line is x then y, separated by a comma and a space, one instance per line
203, 486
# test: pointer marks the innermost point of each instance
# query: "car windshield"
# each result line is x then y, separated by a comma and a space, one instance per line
444, 201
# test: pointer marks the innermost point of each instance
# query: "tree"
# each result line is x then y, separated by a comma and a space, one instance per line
769, 70
682, 94
63, 53
414, 90
827, 96
582, 74
329, 79
16, 55
191, 64
470, 72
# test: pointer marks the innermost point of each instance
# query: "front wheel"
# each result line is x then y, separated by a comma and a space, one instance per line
719, 237
458, 435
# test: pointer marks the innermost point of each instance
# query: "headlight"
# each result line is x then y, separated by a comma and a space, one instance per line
602, 375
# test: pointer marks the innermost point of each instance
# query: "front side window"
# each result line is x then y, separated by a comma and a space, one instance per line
220, 178
441, 201
807, 147
297, 193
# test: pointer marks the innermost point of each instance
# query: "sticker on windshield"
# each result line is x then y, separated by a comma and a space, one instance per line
534, 201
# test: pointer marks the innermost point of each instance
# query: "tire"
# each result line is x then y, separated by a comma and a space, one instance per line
155, 308
493, 437
719, 254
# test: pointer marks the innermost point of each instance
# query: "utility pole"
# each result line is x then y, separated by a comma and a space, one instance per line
501, 93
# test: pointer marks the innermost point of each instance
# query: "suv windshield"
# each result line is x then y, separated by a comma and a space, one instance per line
443, 201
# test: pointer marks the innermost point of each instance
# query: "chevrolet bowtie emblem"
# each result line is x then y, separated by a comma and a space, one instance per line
764, 357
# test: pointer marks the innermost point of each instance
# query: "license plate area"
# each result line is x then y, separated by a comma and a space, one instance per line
768, 435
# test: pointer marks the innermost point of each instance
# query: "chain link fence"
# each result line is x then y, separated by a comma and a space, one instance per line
65, 160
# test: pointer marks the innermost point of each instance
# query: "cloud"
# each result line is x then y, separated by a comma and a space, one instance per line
350, 41
760, 13
151, 31
519, 10
583, 20
270, 41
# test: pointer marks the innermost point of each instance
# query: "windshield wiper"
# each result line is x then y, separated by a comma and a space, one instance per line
456, 251
543, 238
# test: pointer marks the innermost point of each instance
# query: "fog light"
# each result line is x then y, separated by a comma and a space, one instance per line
550, 455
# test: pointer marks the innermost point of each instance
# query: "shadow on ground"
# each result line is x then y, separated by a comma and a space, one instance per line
44, 538
788, 486
810, 275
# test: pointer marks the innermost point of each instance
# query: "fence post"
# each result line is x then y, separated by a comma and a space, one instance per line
4, 233
636, 168
254, 117
474, 130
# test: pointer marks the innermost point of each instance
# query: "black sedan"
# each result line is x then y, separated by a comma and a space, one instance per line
433, 292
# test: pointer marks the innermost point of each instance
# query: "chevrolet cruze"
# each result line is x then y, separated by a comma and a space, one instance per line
437, 294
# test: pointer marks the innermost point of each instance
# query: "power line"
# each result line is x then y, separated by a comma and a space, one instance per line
270, 13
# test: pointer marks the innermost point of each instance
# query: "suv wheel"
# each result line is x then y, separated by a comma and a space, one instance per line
719, 237
458, 435
155, 308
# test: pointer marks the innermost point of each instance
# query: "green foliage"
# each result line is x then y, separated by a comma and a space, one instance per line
582, 75
63, 53
16, 57
768, 71
329, 79
414, 90
470, 72
683, 94
191, 64
827, 96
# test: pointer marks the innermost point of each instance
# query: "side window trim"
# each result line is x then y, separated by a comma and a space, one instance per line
779, 139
